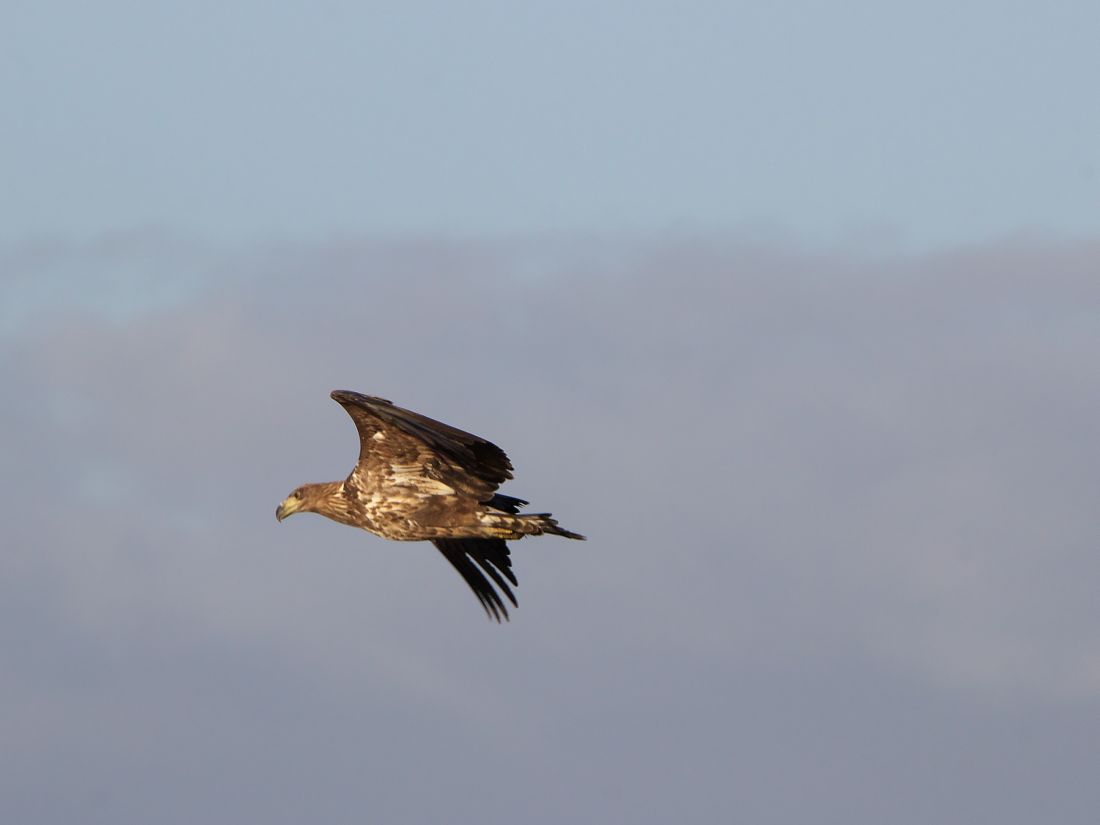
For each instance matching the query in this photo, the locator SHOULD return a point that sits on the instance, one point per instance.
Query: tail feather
(528, 524)
(546, 524)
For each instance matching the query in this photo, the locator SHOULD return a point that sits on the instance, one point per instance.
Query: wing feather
(389, 434)
(492, 556)
(473, 453)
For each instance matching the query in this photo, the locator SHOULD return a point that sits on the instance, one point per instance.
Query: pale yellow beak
(288, 508)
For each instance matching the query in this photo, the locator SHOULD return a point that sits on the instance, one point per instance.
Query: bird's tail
(537, 524)
(509, 523)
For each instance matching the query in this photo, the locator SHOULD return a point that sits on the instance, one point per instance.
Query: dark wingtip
(494, 609)
(491, 556)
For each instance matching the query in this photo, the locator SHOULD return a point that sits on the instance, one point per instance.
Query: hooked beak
(287, 508)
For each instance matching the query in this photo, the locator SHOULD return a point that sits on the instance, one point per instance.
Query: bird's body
(418, 479)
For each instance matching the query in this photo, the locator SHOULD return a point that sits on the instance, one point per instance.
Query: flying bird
(421, 480)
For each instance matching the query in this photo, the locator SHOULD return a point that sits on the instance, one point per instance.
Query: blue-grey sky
(793, 309)
(842, 527)
(896, 124)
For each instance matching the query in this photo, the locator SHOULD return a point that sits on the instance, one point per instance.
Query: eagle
(418, 479)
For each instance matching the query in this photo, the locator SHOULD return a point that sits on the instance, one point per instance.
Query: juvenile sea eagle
(418, 479)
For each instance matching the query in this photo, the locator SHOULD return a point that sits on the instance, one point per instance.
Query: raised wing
(393, 440)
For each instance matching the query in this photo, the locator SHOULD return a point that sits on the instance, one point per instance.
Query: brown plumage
(419, 479)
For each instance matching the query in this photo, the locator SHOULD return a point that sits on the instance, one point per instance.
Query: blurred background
(793, 309)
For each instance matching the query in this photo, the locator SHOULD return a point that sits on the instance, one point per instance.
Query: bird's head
(294, 503)
(324, 498)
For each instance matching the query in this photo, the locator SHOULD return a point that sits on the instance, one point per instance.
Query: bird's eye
(297, 494)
